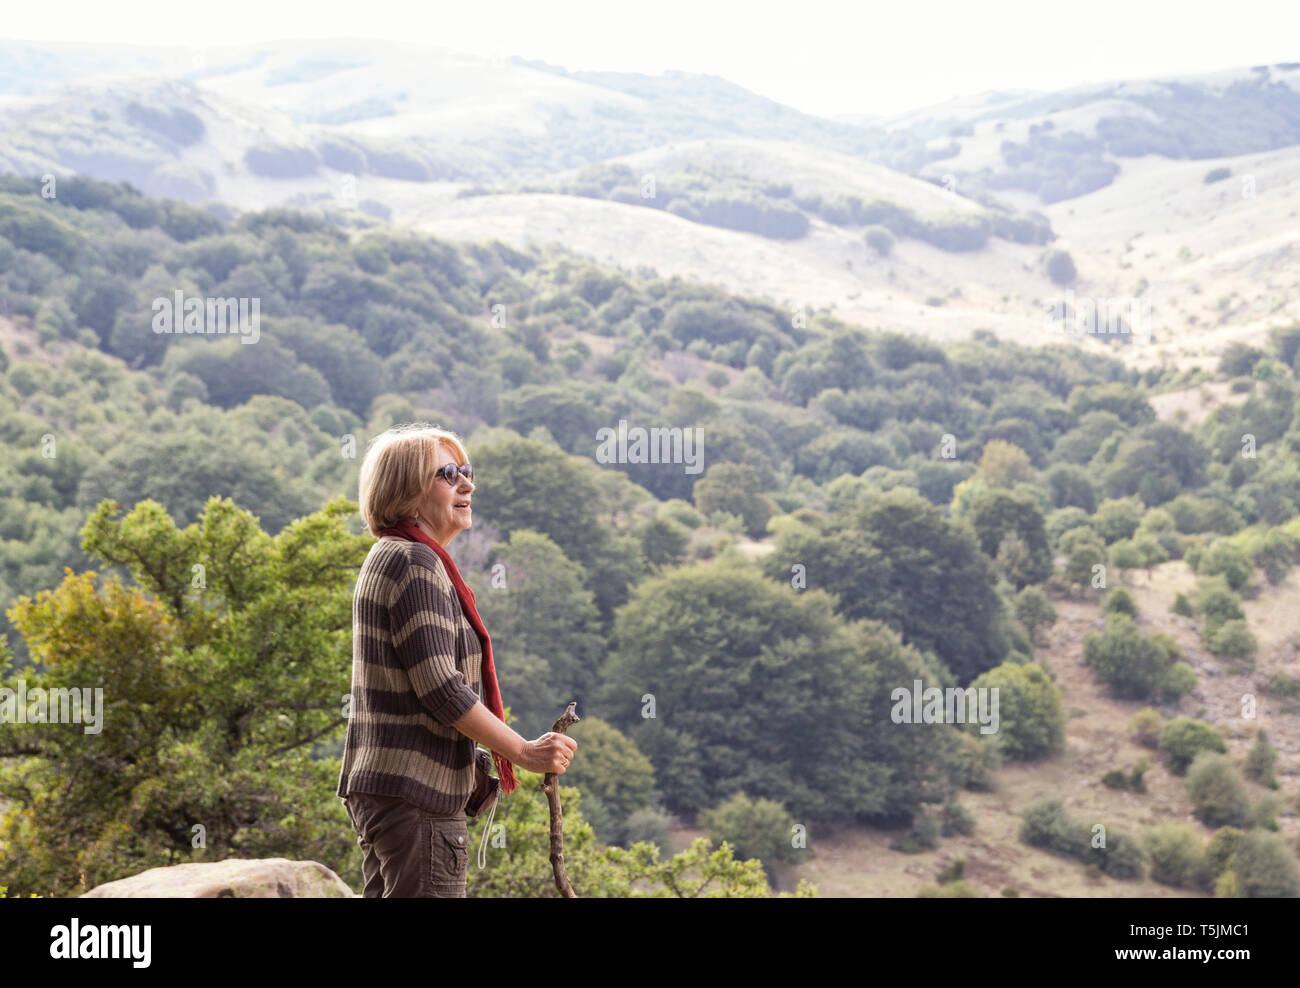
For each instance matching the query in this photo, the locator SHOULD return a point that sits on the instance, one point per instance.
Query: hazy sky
(822, 57)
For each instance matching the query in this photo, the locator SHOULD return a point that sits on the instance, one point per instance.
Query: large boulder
(234, 878)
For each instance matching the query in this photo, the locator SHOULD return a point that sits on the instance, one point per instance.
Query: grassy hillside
(1099, 738)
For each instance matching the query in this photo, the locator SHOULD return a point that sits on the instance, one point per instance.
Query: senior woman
(420, 654)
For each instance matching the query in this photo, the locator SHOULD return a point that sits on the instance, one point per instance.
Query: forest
(875, 509)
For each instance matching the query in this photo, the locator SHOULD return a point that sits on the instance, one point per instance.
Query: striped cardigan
(416, 669)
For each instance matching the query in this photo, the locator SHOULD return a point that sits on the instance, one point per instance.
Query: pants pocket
(448, 855)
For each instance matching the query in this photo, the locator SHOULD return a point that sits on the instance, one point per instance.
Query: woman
(419, 656)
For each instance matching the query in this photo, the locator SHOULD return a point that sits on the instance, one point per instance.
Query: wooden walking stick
(551, 786)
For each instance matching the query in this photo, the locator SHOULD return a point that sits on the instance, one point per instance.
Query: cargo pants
(409, 852)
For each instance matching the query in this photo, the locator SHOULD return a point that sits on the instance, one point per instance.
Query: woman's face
(445, 510)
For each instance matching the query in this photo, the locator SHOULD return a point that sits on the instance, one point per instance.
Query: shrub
(1082, 562)
(1178, 681)
(1260, 760)
(879, 239)
(650, 825)
(1146, 727)
(681, 512)
(1239, 359)
(957, 820)
(1124, 555)
(1131, 665)
(1117, 518)
(1219, 851)
(1184, 738)
(1115, 779)
(1226, 559)
(1031, 720)
(1059, 266)
(1264, 867)
(1215, 788)
(615, 770)
(954, 231)
(1182, 605)
(1177, 857)
(281, 161)
(1140, 768)
(1114, 853)
(953, 872)
(960, 889)
(1263, 814)
(755, 828)
(1151, 550)
(1227, 886)
(1033, 609)
(923, 836)
(1283, 687)
(977, 761)
(1046, 824)
(1233, 640)
(1119, 601)
(1218, 605)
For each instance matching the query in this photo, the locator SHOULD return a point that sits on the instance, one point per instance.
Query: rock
(234, 878)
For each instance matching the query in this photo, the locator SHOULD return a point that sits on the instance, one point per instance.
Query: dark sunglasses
(452, 473)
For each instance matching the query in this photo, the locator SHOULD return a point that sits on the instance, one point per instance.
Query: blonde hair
(398, 469)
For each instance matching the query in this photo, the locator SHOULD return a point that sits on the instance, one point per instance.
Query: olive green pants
(409, 852)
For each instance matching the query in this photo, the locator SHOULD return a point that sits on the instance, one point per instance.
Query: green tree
(536, 608)
(568, 416)
(612, 772)
(1124, 556)
(1183, 738)
(1260, 760)
(998, 513)
(755, 828)
(1234, 640)
(1216, 791)
(664, 541)
(1228, 560)
(1071, 486)
(1034, 610)
(530, 484)
(729, 683)
(733, 488)
(1265, 868)
(1085, 564)
(1220, 850)
(1129, 663)
(1031, 719)
(1119, 601)
(213, 697)
(1117, 518)
(1177, 858)
(896, 559)
(1218, 605)
(1003, 464)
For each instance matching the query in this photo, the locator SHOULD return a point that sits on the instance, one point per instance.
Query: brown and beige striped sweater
(416, 669)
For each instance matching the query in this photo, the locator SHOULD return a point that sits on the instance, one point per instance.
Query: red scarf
(491, 691)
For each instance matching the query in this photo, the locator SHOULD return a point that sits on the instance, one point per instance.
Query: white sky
(843, 56)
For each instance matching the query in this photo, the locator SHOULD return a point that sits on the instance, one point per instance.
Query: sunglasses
(452, 473)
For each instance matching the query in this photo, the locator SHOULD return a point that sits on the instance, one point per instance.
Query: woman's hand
(550, 753)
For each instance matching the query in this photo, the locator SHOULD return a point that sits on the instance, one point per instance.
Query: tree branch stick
(551, 786)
